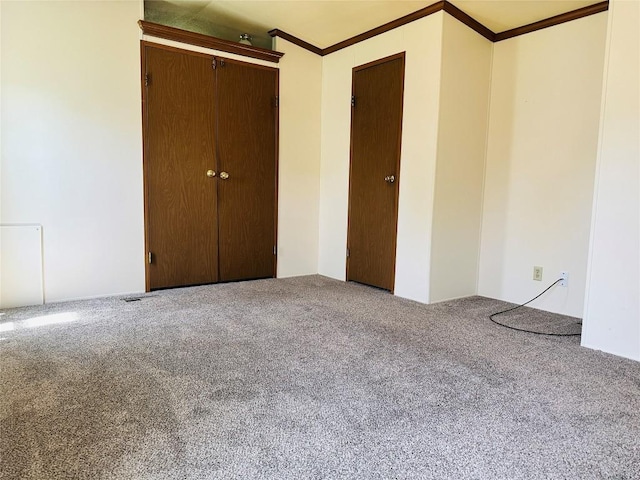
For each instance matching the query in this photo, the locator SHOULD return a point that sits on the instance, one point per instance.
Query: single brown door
(180, 198)
(376, 128)
(246, 132)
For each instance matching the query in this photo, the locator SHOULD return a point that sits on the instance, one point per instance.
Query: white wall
(612, 307)
(21, 247)
(462, 142)
(71, 141)
(543, 131)
(299, 162)
(422, 41)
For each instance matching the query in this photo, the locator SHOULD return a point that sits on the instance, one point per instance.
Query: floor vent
(137, 299)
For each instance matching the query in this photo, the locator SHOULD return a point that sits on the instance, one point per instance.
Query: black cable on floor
(527, 303)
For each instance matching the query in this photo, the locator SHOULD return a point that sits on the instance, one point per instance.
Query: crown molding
(552, 21)
(412, 17)
(457, 14)
(192, 38)
(469, 21)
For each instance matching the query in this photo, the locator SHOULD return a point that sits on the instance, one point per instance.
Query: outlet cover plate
(565, 279)
(537, 274)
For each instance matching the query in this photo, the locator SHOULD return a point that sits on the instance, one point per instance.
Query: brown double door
(209, 168)
(376, 130)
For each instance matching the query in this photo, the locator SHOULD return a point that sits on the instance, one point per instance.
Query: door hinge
(147, 79)
(214, 63)
(275, 250)
(149, 257)
(277, 101)
(348, 252)
(353, 100)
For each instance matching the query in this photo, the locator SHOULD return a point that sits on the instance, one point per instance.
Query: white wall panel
(21, 266)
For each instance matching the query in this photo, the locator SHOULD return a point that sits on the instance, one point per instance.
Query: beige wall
(71, 154)
(545, 104)
(422, 42)
(462, 138)
(299, 162)
(612, 306)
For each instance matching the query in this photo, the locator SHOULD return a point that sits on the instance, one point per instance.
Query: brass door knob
(224, 175)
(390, 178)
(211, 173)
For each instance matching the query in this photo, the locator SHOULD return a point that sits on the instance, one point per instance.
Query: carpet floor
(306, 378)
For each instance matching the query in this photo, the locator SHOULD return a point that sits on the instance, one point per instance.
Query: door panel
(246, 132)
(376, 128)
(180, 199)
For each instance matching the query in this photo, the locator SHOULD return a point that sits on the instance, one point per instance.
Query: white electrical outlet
(565, 279)
(537, 273)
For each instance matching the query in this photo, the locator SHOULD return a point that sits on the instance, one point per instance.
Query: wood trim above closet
(192, 38)
(297, 41)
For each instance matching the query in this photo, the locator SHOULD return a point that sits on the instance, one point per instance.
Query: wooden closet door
(180, 199)
(246, 131)
(376, 130)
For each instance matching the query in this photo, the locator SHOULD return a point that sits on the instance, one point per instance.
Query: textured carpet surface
(306, 378)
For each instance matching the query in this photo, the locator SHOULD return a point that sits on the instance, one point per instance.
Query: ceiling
(326, 22)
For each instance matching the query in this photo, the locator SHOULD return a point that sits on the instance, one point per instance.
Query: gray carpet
(306, 378)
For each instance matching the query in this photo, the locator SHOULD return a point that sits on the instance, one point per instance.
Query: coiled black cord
(527, 303)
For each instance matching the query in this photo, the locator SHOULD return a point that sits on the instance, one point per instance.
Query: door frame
(145, 149)
(402, 57)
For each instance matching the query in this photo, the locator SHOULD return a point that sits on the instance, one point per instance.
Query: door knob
(211, 173)
(390, 178)
(224, 175)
